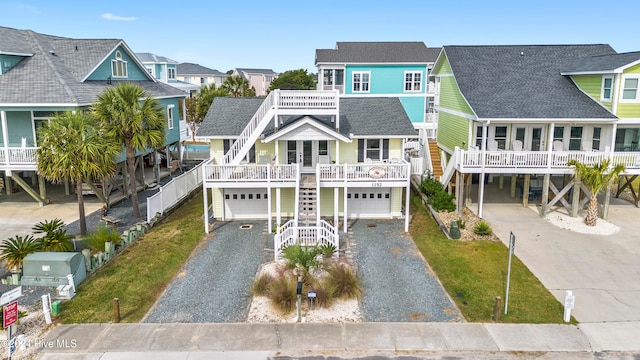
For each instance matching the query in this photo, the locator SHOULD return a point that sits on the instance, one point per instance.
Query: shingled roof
(153, 58)
(384, 117)
(603, 64)
(378, 52)
(54, 73)
(196, 69)
(524, 81)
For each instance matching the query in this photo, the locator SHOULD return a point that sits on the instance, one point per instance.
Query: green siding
(452, 130)
(628, 110)
(442, 66)
(103, 71)
(591, 84)
(632, 70)
(287, 203)
(396, 202)
(451, 97)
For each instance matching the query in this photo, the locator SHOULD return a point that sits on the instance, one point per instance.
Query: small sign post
(311, 295)
(10, 295)
(512, 246)
(10, 314)
(569, 302)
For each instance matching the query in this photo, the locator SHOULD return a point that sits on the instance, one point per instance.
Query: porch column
(5, 139)
(407, 206)
(482, 174)
(278, 207)
(545, 195)
(501, 182)
(525, 190)
(8, 186)
(575, 200)
(141, 166)
(125, 179)
(156, 166)
(514, 179)
(607, 200)
(459, 192)
(206, 210)
(467, 188)
(336, 199)
(270, 215)
(345, 209)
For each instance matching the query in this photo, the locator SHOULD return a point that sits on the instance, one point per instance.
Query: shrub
(461, 224)
(482, 228)
(301, 257)
(103, 233)
(343, 281)
(282, 293)
(55, 237)
(324, 295)
(16, 248)
(430, 186)
(261, 285)
(327, 250)
(442, 201)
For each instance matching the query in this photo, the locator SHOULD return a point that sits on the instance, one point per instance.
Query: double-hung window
(361, 81)
(170, 116)
(374, 149)
(118, 66)
(607, 85)
(412, 81)
(171, 73)
(630, 89)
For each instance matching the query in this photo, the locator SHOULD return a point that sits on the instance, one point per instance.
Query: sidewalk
(260, 341)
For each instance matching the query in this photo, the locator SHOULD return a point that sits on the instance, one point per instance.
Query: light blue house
(44, 74)
(382, 69)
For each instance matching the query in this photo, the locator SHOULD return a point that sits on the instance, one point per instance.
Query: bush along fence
(111, 248)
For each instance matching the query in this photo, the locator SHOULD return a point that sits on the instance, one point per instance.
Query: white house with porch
(308, 160)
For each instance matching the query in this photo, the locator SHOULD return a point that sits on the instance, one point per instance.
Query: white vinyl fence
(174, 191)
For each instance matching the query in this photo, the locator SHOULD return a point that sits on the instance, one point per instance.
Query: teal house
(383, 69)
(44, 74)
(518, 113)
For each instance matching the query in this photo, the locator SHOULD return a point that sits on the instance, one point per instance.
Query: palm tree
(134, 119)
(72, 146)
(55, 237)
(16, 248)
(596, 178)
(237, 86)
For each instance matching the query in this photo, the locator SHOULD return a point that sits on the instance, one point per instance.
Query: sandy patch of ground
(261, 310)
(576, 224)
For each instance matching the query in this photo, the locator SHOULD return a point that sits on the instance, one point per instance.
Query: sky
(283, 35)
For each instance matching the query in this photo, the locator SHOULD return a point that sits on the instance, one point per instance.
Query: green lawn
(475, 272)
(141, 272)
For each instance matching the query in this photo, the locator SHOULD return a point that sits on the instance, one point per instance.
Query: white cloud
(116, 18)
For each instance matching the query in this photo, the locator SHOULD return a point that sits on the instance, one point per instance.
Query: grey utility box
(52, 268)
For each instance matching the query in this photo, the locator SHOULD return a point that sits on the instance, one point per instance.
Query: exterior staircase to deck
(308, 201)
(436, 162)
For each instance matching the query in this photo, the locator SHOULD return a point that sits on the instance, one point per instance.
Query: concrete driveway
(602, 271)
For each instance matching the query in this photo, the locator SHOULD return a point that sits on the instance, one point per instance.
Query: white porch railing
(537, 161)
(174, 191)
(305, 99)
(291, 234)
(18, 156)
(249, 173)
(396, 170)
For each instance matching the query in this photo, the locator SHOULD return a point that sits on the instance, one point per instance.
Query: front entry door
(301, 151)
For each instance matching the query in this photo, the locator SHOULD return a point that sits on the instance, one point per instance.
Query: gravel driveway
(214, 284)
(399, 285)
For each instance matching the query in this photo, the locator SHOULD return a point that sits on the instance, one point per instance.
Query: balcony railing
(554, 162)
(18, 156)
(398, 170)
(250, 173)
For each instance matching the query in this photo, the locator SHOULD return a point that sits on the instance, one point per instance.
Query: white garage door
(369, 202)
(245, 203)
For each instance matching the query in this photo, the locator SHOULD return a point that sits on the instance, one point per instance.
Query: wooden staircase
(308, 201)
(436, 162)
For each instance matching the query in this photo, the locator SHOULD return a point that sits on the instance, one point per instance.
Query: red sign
(10, 314)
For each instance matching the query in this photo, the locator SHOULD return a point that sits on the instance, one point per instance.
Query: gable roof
(153, 58)
(14, 42)
(361, 117)
(603, 64)
(55, 73)
(378, 52)
(196, 69)
(524, 81)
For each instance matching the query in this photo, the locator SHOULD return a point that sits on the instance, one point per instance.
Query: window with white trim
(170, 116)
(149, 70)
(575, 138)
(360, 81)
(607, 85)
(595, 142)
(630, 89)
(412, 81)
(118, 66)
(501, 137)
(171, 73)
(372, 149)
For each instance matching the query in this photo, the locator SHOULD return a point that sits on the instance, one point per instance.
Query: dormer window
(118, 66)
(171, 73)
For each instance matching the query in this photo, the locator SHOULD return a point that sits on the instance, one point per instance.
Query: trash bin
(55, 307)
(454, 231)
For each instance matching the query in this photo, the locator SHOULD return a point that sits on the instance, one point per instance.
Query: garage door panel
(245, 203)
(369, 202)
